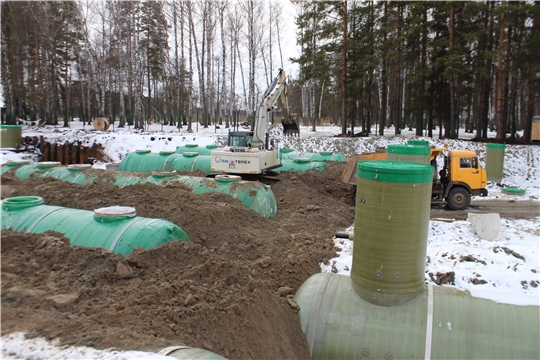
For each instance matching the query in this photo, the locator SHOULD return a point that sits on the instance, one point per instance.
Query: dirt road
(510, 209)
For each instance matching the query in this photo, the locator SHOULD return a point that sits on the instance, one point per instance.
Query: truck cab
(461, 177)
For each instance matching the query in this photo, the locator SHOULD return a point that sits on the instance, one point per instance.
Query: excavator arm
(278, 88)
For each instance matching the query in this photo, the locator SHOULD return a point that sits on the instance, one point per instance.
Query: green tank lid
(12, 163)
(211, 146)
(414, 150)
(395, 171)
(190, 154)
(143, 151)
(418, 142)
(48, 164)
(78, 167)
(166, 152)
(21, 202)
(496, 146)
(286, 150)
(192, 145)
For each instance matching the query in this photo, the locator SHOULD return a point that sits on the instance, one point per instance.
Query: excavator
(253, 152)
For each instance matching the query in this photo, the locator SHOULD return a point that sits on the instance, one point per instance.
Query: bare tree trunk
(501, 131)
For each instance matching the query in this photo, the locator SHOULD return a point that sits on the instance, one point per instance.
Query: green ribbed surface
(82, 229)
(390, 231)
(201, 150)
(394, 171)
(300, 166)
(495, 162)
(11, 136)
(338, 324)
(255, 195)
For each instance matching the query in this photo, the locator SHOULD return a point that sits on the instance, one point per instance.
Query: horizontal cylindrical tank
(440, 323)
(201, 150)
(300, 165)
(189, 162)
(391, 223)
(144, 161)
(414, 153)
(189, 353)
(253, 194)
(495, 162)
(11, 136)
(289, 154)
(116, 228)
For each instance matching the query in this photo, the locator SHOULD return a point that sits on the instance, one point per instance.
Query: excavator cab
(240, 140)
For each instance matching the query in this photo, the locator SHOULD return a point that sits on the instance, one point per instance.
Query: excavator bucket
(290, 126)
(350, 173)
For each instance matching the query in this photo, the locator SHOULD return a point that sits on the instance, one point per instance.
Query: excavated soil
(229, 290)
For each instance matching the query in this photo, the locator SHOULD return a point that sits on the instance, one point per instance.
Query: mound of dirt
(218, 292)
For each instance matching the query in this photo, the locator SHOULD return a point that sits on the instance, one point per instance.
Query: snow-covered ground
(506, 270)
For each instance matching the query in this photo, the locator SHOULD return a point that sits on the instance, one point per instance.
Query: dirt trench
(218, 292)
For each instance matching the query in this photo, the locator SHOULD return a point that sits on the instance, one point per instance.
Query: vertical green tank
(495, 162)
(414, 153)
(116, 228)
(384, 310)
(11, 136)
(393, 202)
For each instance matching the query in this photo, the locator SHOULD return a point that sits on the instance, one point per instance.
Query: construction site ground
(228, 290)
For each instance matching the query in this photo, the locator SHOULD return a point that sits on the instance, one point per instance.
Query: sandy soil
(229, 290)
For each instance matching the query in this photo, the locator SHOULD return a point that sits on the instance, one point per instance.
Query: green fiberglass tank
(11, 164)
(289, 154)
(300, 165)
(418, 142)
(440, 323)
(495, 162)
(413, 153)
(116, 228)
(189, 162)
(11, 136)
(259, 197)
(384, 310)
(201, 150)
(393, 202)
(144, 161)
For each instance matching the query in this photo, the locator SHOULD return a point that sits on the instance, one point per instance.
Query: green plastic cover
(120, 235)
(255, 195)
(395, 171)
(495, 146)
(495, 162)
(449, 324)
(391, 231)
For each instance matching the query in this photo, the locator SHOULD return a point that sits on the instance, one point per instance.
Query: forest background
(427, 65)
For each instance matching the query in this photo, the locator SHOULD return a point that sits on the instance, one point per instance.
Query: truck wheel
(458, 198)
